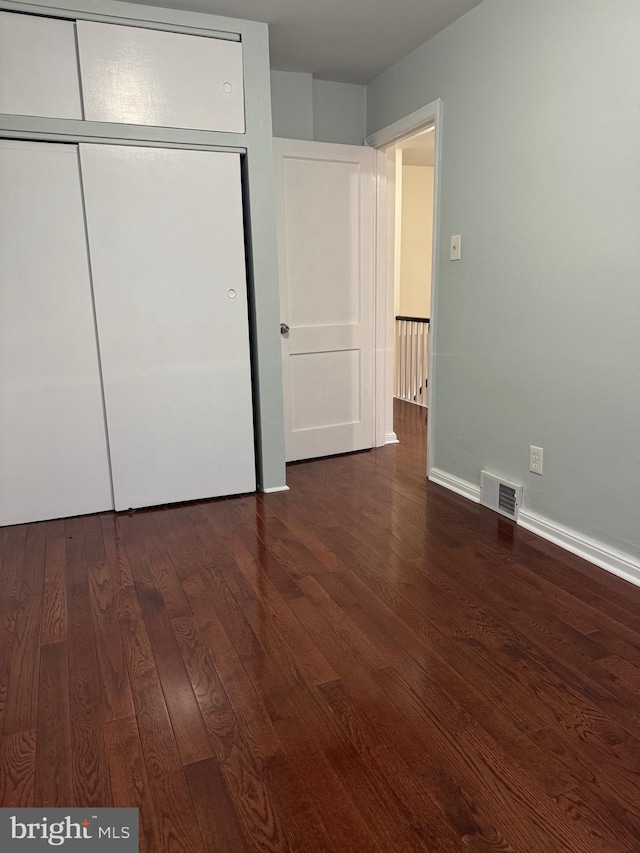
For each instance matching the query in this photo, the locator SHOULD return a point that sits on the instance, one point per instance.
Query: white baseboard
(391, 438)
(616, 562)
(623, 565)
(455, 484)
(275, 490)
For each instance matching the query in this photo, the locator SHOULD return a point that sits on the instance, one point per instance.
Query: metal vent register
(500, 495)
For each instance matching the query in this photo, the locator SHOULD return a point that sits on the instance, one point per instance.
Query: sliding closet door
(53, 449)
(167, 254)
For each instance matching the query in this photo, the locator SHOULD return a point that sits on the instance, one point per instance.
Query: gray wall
(538, 327)
(339, 112)
(292, 104)
(304, 108)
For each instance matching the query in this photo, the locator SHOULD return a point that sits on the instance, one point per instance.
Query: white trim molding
(455, 484)
(383, 341)
(275, 490)
(611, 560)
(391, 438)
(409, 124)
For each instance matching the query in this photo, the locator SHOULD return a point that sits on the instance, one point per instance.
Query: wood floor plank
(89, 770)
(218, 578)
(54, 605)
(11, 569)
(518, 809)
(313, 770)
(188, 725)
(219, 823)
(53, 780)
(298, 818)
(114, 676)
(32, 580)
(208, 652)
(141, 664)
(604, 820)
(238, 763)
(18, 763)
(167, 580)
(21, 710)
(128, 778)
(376, 745)
(7, 628)
(175, 818)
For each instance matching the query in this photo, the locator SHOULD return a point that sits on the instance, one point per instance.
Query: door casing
(384, 317)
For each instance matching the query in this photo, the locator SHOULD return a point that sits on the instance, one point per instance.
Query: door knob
(284, 329)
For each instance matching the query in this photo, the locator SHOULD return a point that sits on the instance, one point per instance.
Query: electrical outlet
(456, 248)
(535, 459)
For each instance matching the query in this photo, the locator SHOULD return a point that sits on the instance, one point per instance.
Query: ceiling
(348, 41)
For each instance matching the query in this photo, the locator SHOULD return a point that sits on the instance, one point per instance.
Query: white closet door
(53, 449)
(140, 76)
(38, 67)
(167, 254)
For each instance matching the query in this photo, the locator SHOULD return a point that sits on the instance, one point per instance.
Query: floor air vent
(499, 495)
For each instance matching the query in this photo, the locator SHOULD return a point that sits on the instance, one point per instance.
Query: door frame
(384, 317)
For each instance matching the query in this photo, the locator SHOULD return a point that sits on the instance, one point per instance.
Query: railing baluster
(419, 399)
(412, 359)
(406, 361)
(416, 378)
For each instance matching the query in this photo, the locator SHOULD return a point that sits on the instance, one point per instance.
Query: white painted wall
(416, 241)
(537, 337)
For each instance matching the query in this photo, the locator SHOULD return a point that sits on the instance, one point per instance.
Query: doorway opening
(413, 252)
(407, 263)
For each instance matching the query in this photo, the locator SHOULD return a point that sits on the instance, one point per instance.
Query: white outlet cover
(535, 459)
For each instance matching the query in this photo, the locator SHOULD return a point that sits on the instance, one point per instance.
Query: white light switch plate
(455, 248)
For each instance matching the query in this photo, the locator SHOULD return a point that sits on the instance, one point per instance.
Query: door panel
(325, 197)
(38, 67)
(167, 255)
(139, 76)
(53, 447)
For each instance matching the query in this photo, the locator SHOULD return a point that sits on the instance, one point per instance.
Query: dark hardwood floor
(364, 663)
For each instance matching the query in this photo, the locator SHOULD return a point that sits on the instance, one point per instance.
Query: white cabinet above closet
(137, 76)
(38, 67)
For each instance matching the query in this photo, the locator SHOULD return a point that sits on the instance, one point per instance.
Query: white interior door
(166, 243)
(53, 447)
(325, 197)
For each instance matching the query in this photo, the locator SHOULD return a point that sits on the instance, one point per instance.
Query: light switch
(455, 248)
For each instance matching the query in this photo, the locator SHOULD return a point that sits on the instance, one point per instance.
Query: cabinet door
(53, 448)
(167, 255)
(38, 67)
(139, 76)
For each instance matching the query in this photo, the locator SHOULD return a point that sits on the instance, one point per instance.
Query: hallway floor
(365, 663)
